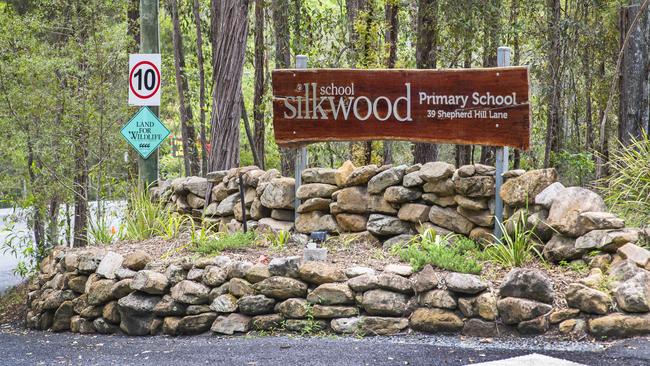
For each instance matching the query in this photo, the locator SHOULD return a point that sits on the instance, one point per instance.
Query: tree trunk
(133, 35)
(490, 45)
(515, 8)
(53, 222)
(634, 111)
(283, 61)
(188, 134)
(426, 58)
(464, 152)
(230, 42)
(202, 107)
(553, 125)
(392, 19)
(258, 97)
(81, 187)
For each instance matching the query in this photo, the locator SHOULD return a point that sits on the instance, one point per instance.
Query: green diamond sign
(145, 132)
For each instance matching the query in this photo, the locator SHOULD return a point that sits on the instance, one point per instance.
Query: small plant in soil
(214, 244)
(278, 240)
(578, 267)
(451, 252)
(310, 326)
(517, 246)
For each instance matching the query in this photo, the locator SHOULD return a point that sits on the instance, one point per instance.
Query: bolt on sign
(144, 132)
(487, 106)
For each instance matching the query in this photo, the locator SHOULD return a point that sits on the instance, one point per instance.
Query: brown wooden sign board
(465, 106)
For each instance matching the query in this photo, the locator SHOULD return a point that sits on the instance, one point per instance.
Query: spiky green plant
(627, 189)
(517, 246)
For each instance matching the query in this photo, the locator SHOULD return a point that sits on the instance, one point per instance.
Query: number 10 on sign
(144, 79)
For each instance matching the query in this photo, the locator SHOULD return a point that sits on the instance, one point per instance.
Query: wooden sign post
(487, 106)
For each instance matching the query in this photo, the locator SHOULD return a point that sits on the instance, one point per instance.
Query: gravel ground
(23, 347)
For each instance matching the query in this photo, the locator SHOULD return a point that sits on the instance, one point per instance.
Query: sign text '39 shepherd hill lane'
(469, 106)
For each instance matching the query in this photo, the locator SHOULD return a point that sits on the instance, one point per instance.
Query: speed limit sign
(144, 79)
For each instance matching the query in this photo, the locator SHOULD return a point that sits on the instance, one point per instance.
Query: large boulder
(435, 321)
(588, 221)
(377, 325)
(587, 299)
(378, 204)
(255, 305)
(150, 282)
(564, 212)
(279, 193)
(607, 240)
(382, 302)
(351, 223)
(315, 190)
(414, 212)
(137, 260)
(436, 171)
(546, 197)
(109, 264)
(529, 284)
(483, 305)
(399, 194)
(620, 325)
(633, 295)
(476, 186)
(424, 280)
(353, 199)
(464, 283)
(190, 292)
(100, 292)
(319, 273)
(233, 323)
(319, 175)
(442, 299)
(137, 313)
(514, 310)
(523, 189)
(562, 248)
(361, 175)
(196, 324)
(331, 294)
(383, 225)
(316, 221)
(281, 288)
(314, 204)
(343, 173)
(227, 206)
(450, 219)
(293, 308)
(635, 253)
(385, 179)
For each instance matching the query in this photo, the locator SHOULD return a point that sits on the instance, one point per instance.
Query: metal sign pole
(501, 161)
(301, 154)
(149, 43)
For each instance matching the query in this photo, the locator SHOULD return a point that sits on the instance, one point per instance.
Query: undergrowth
(451, 252)
(515, 247)
(215, 243)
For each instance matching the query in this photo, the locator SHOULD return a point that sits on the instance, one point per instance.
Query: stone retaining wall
(94, 290)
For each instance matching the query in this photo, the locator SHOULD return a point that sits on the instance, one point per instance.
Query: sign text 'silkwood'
(470, 106)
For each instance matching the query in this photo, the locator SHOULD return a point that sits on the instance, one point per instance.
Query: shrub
(100, 232)
(627, 190)
(451, 252)
(142, 217)
(516, 247)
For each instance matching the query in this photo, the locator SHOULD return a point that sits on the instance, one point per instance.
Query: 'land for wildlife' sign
(466, 106)
(144, 132)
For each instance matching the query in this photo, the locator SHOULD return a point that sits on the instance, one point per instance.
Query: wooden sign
(465, 106)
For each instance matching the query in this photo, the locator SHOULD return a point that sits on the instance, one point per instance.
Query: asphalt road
(22, 347)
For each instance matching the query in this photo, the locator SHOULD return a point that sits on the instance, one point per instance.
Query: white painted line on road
(534, 359)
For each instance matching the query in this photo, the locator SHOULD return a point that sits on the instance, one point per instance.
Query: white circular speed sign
(144, 79)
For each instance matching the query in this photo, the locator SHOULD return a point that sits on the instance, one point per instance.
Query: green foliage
(579, 267)
(627, 190)
(311, 325)
(450, 252)
(516, 247)
(143, 216)
(574, 168)
(278, 240)
(211, 244)
(170, 224)
(100, 231)
(18, 244)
